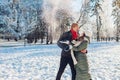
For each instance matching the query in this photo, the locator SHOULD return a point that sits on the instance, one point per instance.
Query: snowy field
(41, 62)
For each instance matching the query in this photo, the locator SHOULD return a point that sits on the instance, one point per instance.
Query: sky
(77, 5)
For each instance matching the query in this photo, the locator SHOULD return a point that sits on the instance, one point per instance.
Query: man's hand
(84, 51)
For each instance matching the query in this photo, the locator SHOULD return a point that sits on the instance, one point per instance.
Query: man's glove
(70, 46)
(67, 48)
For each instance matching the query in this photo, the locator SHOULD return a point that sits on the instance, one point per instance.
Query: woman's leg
(82, 69)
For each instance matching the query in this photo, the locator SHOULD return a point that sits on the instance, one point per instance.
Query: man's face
(76, 29)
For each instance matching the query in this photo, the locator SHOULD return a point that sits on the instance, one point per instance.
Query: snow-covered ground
(41, 62)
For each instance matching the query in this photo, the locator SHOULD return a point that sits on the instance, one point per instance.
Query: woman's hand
(84, 51)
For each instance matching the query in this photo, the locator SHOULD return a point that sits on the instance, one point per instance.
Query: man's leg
(63, 63)
(72, 68)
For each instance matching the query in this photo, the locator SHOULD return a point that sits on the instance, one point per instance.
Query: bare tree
(116, 14)
(84, 11)
(95, 9)
(64, 18)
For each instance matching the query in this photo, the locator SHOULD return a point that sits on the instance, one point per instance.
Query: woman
(82, 70)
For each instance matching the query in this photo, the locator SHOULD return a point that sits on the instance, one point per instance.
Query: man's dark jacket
(67, 36)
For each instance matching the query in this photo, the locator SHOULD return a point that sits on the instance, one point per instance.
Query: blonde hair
(74, 25)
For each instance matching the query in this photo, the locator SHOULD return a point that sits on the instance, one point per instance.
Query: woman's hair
(74, 25)
(80, 38)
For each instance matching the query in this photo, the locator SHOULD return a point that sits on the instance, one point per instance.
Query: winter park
(59, 39)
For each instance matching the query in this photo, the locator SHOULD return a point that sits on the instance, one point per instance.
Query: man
(65, 54)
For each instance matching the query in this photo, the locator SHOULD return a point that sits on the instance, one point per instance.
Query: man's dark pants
(63, 63)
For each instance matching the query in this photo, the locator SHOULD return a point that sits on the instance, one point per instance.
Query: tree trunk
(117, 35)
(117, 39)
(118, 29)
(98, 29)
(47, 39)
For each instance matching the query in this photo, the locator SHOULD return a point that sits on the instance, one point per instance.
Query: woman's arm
(83, 45)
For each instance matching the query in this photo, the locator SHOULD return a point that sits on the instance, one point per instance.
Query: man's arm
(61, 43)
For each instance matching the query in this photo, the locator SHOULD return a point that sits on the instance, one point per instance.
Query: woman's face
(81, 33)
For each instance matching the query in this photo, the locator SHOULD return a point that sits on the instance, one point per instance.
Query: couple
(74, 53)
